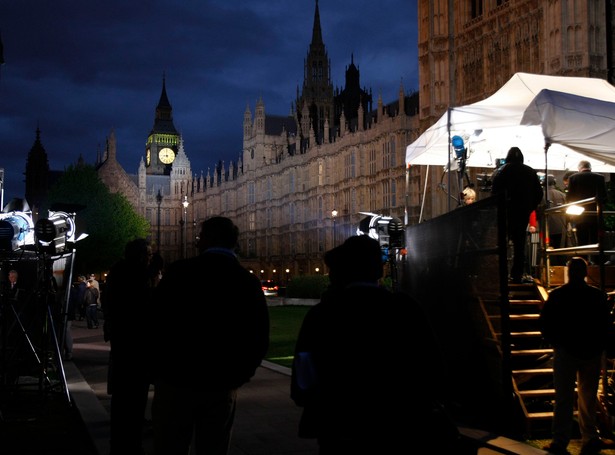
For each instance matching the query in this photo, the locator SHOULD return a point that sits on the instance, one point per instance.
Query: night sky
(78, 69)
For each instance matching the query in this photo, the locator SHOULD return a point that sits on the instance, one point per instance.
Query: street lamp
(159, 202)
(185, 203)
(334, 216)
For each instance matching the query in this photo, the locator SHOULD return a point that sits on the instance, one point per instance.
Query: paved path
(266, 420)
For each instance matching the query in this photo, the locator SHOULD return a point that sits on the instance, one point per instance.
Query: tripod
(38, 333)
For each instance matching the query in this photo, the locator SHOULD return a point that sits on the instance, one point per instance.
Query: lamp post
(185, 203)
(159, 202)
(334, 216)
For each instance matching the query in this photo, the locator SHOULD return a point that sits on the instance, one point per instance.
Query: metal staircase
(530, 356)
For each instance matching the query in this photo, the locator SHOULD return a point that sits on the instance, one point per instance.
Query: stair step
(535, 333)
(540, 415)
(544, 415)
(525, 317)
(534, 371)
(532, 351)
(518, 317)
(537, 392)
(525, 301)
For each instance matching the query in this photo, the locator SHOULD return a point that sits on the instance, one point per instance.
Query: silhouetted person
(521, 188)
(90, 301)
(566, 179)
(557, 222)
(156, 268)
(583, 185)
(574, 320)
(69, 317)
(213, 326)
(127, 309)
(367, 366)
(80, 296)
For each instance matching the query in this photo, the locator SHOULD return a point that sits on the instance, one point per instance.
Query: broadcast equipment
(459, 148)
(32, 327)
(390, 234)
(389, 231)
(54, 232)
(16, 230)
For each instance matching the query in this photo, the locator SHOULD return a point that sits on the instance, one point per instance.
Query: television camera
(485, 181)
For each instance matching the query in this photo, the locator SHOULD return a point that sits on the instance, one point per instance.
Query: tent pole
(448, 129)
(545, 240)
(424, 193)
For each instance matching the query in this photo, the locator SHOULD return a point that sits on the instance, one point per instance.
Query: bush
(307, 286)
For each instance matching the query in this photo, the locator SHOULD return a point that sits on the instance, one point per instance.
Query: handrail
(579, 249)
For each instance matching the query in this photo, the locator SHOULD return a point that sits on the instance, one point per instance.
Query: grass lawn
(285, 322)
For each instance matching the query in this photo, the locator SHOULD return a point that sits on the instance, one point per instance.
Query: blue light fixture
(458, 147)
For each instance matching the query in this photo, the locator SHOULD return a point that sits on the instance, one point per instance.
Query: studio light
(54, 232)
(16, 230)
(389, 231)
(458, 147)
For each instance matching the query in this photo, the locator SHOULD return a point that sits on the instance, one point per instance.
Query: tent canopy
(574, 116)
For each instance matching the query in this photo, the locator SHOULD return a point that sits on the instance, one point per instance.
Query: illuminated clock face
(148, 157)
(166, 155)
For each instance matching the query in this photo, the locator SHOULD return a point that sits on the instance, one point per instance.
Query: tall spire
(164, 100)
(317, 90)
(163, 123)
(316, 30)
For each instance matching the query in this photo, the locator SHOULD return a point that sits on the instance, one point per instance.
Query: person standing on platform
(521, 188)
(574, 321)
(128, 327)
(205, 355)
(557, 222)
(583, 185)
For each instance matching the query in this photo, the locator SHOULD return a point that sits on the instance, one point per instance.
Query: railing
(587, 249)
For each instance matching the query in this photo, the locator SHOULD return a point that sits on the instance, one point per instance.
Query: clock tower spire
(163, 140)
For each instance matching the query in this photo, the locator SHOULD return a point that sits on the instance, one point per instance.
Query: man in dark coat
(127, 310)
(574, 320)
(350, 404)
(213, 326)
(583, 185)
(521, 188)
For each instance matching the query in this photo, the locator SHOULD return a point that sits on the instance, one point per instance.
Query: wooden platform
(558, 275)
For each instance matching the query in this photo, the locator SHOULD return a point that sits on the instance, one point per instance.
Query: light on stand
(575, 210)
(185, 203)
(54, 232)
(16, 230)
(458, 147)
(334, 217)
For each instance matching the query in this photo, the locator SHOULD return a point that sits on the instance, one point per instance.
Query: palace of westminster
(303, 179)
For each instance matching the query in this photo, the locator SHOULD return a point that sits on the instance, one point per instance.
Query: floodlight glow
(574, 210)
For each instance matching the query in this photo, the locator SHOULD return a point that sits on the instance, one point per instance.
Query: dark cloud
(78, 69)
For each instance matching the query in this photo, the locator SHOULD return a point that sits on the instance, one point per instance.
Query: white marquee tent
(575, 116)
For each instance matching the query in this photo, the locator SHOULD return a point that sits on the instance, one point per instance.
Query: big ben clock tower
(163, 140)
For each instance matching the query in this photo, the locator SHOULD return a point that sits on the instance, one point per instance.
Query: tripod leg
(58, 353)
(25, 334)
